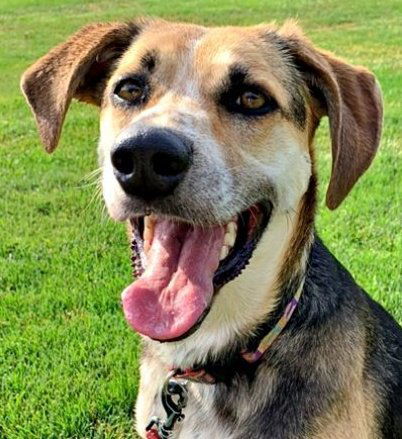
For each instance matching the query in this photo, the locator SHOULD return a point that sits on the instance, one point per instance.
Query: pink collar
(202, 376)
(273, 334)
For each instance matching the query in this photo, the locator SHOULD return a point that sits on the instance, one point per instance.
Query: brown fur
(351, 98)
(73, 70)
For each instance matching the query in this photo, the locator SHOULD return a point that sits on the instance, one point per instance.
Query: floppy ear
(351, 98)
(77, 69)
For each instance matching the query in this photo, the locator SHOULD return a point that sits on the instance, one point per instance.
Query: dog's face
(206, 148)
(230, 99)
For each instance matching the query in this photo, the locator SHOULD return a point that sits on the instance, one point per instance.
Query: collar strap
(273, 334)
(204, 377)
(195, 375)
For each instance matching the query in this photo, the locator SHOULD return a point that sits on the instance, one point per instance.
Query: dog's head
(206, 135)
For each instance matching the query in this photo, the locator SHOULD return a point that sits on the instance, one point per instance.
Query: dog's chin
(180, 268)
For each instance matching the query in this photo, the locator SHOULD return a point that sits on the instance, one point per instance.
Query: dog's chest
(212, 411)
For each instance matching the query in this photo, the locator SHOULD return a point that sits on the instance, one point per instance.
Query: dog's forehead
(167, 38)
(209, 51)
(165, 42)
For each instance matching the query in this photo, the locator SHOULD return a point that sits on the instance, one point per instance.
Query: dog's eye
(251, 100)
(131, 91)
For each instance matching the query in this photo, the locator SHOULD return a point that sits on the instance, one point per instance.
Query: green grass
(67, 359)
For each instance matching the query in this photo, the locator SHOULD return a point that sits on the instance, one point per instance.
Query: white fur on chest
(202, 420)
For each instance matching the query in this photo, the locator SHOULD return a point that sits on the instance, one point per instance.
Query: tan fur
(354, 415)
(353, 420)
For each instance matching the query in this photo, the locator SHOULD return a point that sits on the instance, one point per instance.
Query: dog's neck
(252, 303)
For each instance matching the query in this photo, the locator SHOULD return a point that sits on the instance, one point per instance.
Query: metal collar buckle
(174, 397)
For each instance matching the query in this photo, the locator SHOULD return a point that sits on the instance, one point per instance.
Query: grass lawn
(67, 358)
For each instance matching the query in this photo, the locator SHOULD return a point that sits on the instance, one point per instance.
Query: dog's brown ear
(351, 98)
(77, 69)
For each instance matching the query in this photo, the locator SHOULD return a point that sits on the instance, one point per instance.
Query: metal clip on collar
(174, 397)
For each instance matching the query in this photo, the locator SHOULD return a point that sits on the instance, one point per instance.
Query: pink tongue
(177, 285)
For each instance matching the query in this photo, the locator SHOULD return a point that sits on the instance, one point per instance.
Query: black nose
(151, 164)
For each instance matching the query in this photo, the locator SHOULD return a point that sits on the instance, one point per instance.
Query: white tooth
(149, 227)
(224, 252)
(229, 239)
(230, 236)
(233, 227)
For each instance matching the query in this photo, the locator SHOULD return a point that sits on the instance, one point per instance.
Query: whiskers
(93, 180)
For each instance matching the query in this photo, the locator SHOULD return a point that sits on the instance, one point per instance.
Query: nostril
(168, 165)
(122, 160)
(151, 163)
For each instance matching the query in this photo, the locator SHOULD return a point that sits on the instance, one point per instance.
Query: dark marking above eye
(237, 74)
(148, 61)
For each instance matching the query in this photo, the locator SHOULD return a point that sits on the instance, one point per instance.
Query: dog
(206, 146)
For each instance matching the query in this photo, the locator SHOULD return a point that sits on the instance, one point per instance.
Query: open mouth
(179, 268)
